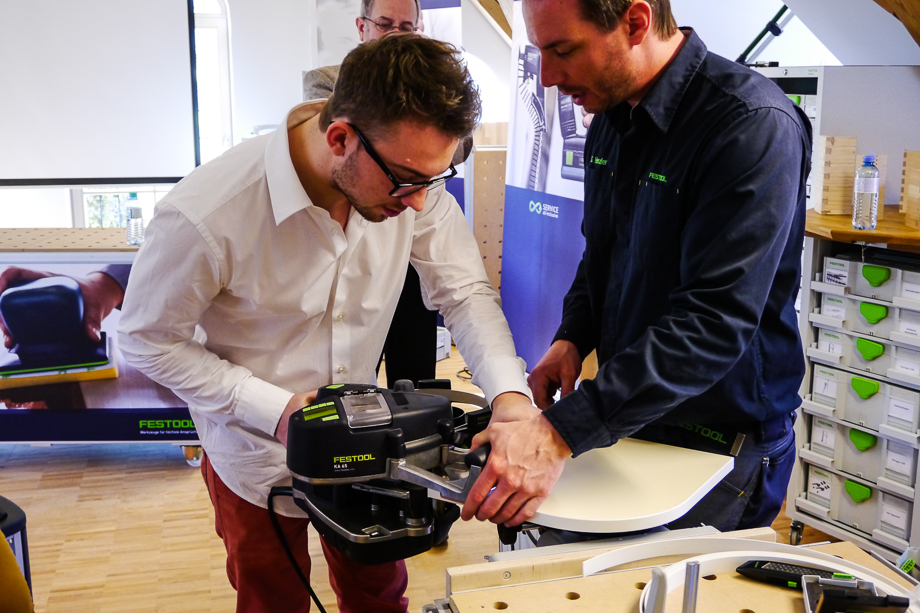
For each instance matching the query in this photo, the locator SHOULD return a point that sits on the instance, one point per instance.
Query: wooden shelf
(64, 239)
(890, 230)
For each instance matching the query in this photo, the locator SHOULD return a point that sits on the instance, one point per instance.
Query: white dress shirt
(245, 293)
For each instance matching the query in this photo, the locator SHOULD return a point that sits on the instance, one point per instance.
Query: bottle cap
(132, 195)
(869, 159)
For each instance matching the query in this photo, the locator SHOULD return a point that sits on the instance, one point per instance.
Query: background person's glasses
(401, 189)
(388, 26)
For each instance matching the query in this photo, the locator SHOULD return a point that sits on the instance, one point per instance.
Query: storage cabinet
(858, 432)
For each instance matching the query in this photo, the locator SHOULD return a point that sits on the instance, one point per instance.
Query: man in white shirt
(275, 269)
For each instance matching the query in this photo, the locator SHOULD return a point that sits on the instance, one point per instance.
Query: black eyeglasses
(401, 189)
(390, 27)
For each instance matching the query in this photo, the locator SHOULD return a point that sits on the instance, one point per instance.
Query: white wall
(859, 32)
(35, 208)
(271, 46)
(728, 27)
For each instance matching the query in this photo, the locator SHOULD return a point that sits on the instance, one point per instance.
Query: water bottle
(865, 195)
(134, 223)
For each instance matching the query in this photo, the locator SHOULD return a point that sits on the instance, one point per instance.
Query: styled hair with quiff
(410, 76)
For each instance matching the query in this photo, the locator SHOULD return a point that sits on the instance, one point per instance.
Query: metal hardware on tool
(373, 466)
(691, 587)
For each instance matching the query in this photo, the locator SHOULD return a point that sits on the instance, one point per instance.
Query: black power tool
(372, 466)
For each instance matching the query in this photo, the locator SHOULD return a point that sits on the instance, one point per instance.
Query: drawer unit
(858, 505)
(864, 400)
(862, 279)
(865, 454)
(855, 351)
(861, 316)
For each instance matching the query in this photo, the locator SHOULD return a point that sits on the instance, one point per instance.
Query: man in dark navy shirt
(694, 221)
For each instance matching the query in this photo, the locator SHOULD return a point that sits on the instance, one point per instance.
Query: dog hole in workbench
(710, 577)
(640, 586)
(501, 605)
(745, 611)
(573, 595)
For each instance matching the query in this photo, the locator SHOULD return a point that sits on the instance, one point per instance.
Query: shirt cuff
(577, 423)
(261, 404)
(500, 374)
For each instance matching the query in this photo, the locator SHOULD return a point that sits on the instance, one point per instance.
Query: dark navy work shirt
(694, 222)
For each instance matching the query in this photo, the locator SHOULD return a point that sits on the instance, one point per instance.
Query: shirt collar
(661, 102)
(284, 188)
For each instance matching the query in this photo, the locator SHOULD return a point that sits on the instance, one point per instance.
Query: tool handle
(478, 457)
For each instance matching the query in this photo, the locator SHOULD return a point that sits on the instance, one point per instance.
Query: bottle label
(866, 185)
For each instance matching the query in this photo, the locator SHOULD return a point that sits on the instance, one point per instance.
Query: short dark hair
(393, 78)
(367, 5)
(607, 13)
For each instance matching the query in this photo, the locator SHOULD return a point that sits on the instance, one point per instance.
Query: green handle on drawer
(873, 313)
(875, 275)
(869, 349)
(857, 491)
(865, 388)
(863, 440)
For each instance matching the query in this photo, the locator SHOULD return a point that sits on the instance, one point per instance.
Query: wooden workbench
(553, 584)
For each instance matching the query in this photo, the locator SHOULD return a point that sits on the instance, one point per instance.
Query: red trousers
(262, 575)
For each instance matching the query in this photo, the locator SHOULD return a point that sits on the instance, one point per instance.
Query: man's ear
(361, 24)
(337, 137)
(638, 20)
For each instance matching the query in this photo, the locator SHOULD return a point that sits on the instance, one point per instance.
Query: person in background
(411, 345)
(694, 219)
(275, 269)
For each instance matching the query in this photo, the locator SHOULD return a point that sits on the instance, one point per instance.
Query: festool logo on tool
(706, 432)
(836, 264)
(167, 423)
(657, 177)
(346, 459)
(827, 373)
(598, 161)
(829, 335)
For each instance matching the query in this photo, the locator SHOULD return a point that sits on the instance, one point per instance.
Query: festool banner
(544, 192)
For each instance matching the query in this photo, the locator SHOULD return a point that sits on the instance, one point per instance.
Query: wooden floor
(129, 528)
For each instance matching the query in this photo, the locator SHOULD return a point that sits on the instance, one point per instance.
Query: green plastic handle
(862, 440)
(869, 349)
(857, 491)
(875, 275)
(873, 313)
(865, 388)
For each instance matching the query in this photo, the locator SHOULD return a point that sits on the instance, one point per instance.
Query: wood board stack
(910, 189)
(833, 175)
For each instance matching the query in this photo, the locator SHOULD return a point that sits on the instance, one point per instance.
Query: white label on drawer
(825, 386)
(901, 409)
(894, 516)
(830, 346)
(835, 272)
(910, 290)
(900, 458)
(819, 483)
(834, 307)
(908, 366)
(824, 433)
(909, 322)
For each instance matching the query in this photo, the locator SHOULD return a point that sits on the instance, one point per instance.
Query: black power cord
(289, 491)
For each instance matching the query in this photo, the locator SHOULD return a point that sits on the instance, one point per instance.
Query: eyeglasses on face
(389, 26)
(401, 188)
